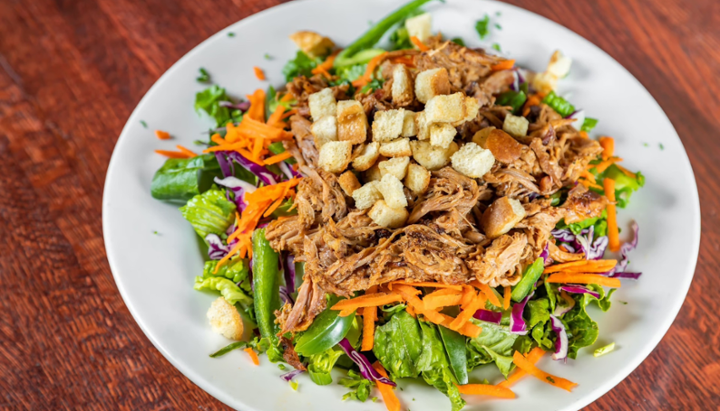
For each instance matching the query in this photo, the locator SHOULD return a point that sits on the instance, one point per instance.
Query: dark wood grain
(72, 71)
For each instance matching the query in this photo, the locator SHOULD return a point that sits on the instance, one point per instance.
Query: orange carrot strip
(488, 293)
(419, 44)
(626, 171)
(410, 310)
(433, 302)
(466, 314)
(369, 318)
(467, 296)
(327, 64)
(582, 266)
(533, 100)
(584, 279)
(503, 65)
(259, 73)
(278, 158)
(485, 389)
(443, 291)
(408, 61)
(217, 139)
(372, 65)
(608, 145)
(373, 300)
(470, 330)
(427, 284)
(391, 401)
(530, 368)
(172, 154)
(584, 134)
(287, 97)
(275, 118)
(162, 135)
(588, 175)
(613, 232)
(253, 355)
(189, 152)
(506, 298)
(288, 114)
(603, 165)
(533, 356)
(589, 184)
(257, 106)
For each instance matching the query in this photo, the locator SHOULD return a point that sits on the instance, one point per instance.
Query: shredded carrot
(369, 318)
(433, 302)
(613, 232)
(410, 310)
(427, 284)
(372, 65)
(419, 44)
(162, 135)
(466, 314)
(327, 64)
(217, 139)
(503, 65)
(485, 389)
(257, 105)
(288, 114)
(173, 154)
(253, 355)
(467, 296)
(589, 184)
(189, 152)
(391, 401)
(584, 134)
(603, 165)
(278, 158)
(405, 60)
(259, 73)
(275, 119)
(533, 357)
(533, 100)
(287, 97)
(582, 266)
(530, 368)
(372, 300)
(576, 278)
(506, 298)
(469, 329)
(488, 293)
(626, 171)
(608, 145)
(588, 175)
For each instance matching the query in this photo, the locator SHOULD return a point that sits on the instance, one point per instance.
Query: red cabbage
(288, 171)
(290, 375)
(578, 289)
(285, 295)
(564, 235)
(239, 188)
(626, 274)
(265, 175)
(216, 248)
(290, 272)
(619, 270)
(517, 323)
(242, 106)
(594, 250)
(488, 316)
(545, 255)
(366, 368)
(226, 166)
(562, 309)
(561, 344)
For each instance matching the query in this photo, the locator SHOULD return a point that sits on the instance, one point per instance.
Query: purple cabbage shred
(366, 369)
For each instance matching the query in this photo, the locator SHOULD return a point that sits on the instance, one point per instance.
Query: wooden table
(71, 72)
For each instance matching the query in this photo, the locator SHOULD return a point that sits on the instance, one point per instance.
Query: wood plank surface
(71, 72)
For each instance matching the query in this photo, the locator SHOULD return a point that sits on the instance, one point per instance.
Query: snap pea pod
(266, 284)
(532, 274)
(325, 332)
(372, 36)
(456, 351)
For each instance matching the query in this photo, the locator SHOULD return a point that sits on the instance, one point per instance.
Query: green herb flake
(155, 232)
(498, 26)
(482, 26)
(496, 47)
(550, 379)
(144, 124)
(588, 124)
(374, 399)
(294, 385)
(604, 350)
(231, 34)
(662, 147)
(267, 56)
(497, 13)
(282, 367)
(204, 76)
(459, 41)
(646, 145)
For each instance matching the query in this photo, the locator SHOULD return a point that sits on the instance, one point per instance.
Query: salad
(416, 210)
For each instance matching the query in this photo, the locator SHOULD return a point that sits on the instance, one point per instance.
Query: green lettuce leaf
(624, 184)
(588, 124)
(434, 365)
(236, 270)
(539, 311)
(494, 342)
(301, 65)
(398, 345)
(231, 292)
(209, 212)
(209, 100)
(320, 365)
(184, 178)
(359, 386)
(582, 330)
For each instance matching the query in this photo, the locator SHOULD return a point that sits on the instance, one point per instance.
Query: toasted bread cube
(504, 148)
(366, 195)
(480, 138)
(352, 122)
(431, 157)
(544, 82)
(417, 179)
(441, 135)
(324, 130)
(559, 65)
(516, 126)
(420, 26)
(348, 182)
(400, 147)
(365, 156)
(322, 104)
(445, 108)
(422, 126)
(384, 215)
(392, 191)
(472, 107)
(431, 83)
(313, 44)
(395, 166)
(225, 319)
(472, 160)
(409, 127)
(387, 125)
(373, 173)
(402, 86)
(335, 156)
(502, 215)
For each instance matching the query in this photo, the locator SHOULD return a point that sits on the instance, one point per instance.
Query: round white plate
(155, 271)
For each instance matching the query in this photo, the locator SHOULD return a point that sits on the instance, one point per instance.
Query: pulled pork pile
(442, 240)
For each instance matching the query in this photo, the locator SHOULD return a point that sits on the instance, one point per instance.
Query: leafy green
(539, 311)
(351, 73)
(325, 332)
(455, 349)
(236, 270)
(559, 104)
(272, 101)
(209, 100)
(301, 65)
(481, 26)
(459, 41)
(400, 38)
(515, 99)
(320, 365)
(577, 228)
(231, 292)
(184, 178)
(373, 85)
(204, 76)
(278, 148)
(527, 282)
(588, 124)
(398, 345)
(582, 330)
(494, 342)
(624, 184)
(359, 386)
(434, 365)
(209, 212)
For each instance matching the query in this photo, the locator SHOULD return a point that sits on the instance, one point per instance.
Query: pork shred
(344, 251)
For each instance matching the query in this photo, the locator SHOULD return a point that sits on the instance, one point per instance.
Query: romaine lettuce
(209, 212)
(434, 365)
(398, 345)
(236, 270)
(231, 292)
(184, 178)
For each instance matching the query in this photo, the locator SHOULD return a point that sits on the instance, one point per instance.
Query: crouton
(324, 130)
(502, 215)
(441, 135)
(348, 182)
(472, 107)
(373, 173)
(366, 195)
(472, 160)
(352, 122)
(445, 108)
(431, 83)
(419, 26)
(417, 179)
(504, 148)
(335, 156)
(394, 166)
(480, 138)
(387, 125)
(422, 126)
(409, 127)
(365, 156)
(559, 65)
(392, 191)
(400, 147)
(313, 44)
(386, 216)
(516, 126)
(544, 82)
(402, 86)
(225, 319)
(322, 104)
(430, 157)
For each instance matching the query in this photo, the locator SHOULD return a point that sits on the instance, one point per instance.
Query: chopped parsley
(498, 26)
(144, 124)
(458, 41)
(204, 76)
(231, 34)
(662, 147)
(549, 378)
(155, 232)
(482, 26)
(294, 385)
(267, 56)
(497, 13)
(282, 366)
(496, 46)
(301, 65)
(646, 145)
(588, 124)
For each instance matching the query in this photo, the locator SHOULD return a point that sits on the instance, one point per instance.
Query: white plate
(155, 272)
